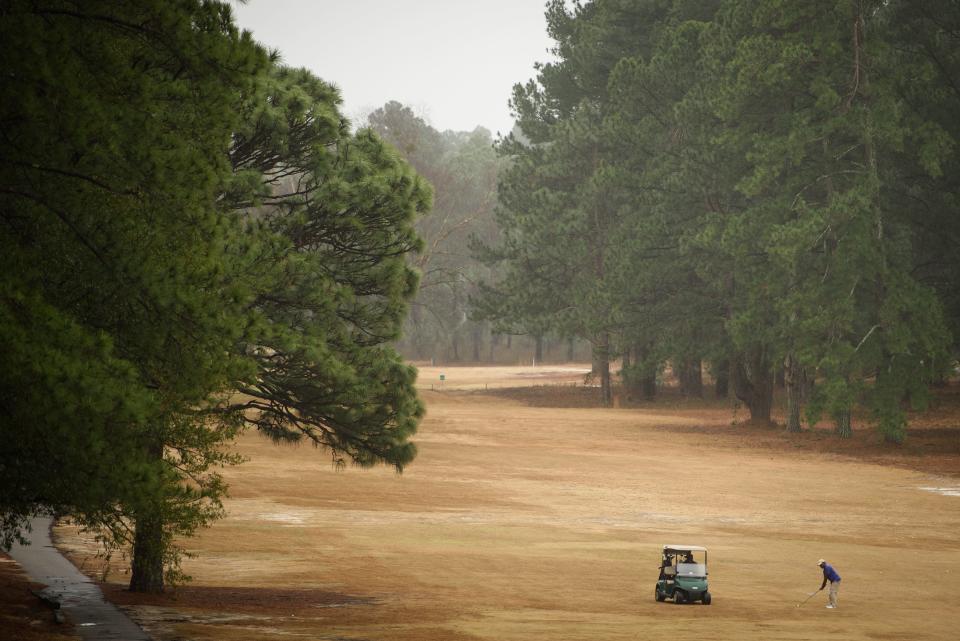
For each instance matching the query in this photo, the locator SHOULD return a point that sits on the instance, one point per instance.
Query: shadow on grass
(932, 444)
(236, 598)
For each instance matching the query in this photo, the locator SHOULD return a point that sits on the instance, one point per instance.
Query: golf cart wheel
(679, 596)
(706, 598)
(656, 595)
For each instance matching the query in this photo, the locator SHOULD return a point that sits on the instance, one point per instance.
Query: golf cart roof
(683, 548)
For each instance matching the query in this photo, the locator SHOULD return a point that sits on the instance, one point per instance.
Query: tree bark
(570, 351)
(538, 349)
(630, 374)
(753, 383)
(148, 545)
(648, 378)
(455, 344)
(807, 385)
(606, 391)
(721, 386)
(147, 564)
(691, 377)
(603, 363)
(477, 336)
(696, 378)
(494, 341)
(650, 386)
(415, 321)
(842, 422)
(791, 375)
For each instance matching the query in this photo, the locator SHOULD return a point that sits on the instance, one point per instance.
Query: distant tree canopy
(192, 242)
(755, 186)
(462, 168)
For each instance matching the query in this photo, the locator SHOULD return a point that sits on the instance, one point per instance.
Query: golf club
(809, 596)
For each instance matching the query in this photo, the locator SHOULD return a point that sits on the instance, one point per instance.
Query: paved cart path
(81, 599)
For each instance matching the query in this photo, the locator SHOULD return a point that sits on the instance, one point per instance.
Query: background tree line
(748, 188)
(446, 324)
(193, 243)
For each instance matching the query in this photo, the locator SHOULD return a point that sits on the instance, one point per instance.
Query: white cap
(821, 562)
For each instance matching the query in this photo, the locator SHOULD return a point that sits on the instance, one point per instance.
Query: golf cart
(682, 577)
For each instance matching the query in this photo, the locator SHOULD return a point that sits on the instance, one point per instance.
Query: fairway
(530, 523)
(597, 320)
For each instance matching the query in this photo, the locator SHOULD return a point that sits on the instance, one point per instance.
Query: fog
(453, 61)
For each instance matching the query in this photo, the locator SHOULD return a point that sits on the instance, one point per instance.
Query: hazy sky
(453, 62)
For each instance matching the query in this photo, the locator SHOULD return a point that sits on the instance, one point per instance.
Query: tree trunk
(807, 385)
(760, 410)
(477, 336)
(415, 321)
(606, 392)
(494, 341)
(602, 359)
(650, 386)
(691, 378)
(630, 373)
(538, 349)
(721, 388)
(781, 377)
(147, 564)
(842, 422)
(753, 383)
(648, 376)
(570, 351)
(455, 344)
(148, 545)
(792, 381)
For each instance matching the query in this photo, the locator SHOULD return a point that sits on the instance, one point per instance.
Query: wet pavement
(80, 598)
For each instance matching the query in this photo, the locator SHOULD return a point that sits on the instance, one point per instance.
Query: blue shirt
(830, 574)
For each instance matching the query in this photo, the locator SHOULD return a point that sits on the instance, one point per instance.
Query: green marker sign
(443, 377)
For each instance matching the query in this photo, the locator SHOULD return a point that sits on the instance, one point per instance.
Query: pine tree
(185, 220)
(760, 193)
(341, 210)
(816, 122)
(114, 281)
(562, 198)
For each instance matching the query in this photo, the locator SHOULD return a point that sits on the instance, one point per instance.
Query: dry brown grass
(526, 523)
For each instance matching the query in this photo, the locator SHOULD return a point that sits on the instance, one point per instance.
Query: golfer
(829, 574)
